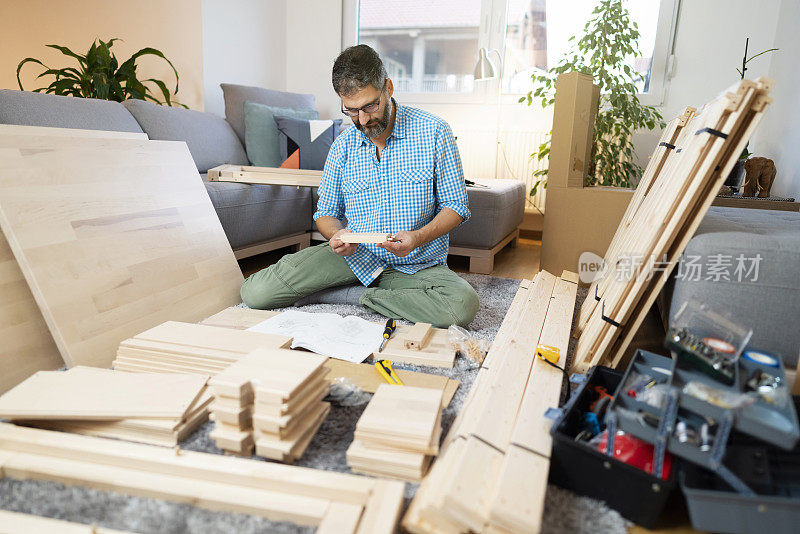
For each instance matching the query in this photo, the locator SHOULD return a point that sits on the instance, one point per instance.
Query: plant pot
(735, 178)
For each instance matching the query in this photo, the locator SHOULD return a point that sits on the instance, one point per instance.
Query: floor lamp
(486, 70)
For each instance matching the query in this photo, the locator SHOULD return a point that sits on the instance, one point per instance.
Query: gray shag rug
(564, 511)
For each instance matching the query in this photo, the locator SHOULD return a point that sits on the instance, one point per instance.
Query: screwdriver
(391, 326)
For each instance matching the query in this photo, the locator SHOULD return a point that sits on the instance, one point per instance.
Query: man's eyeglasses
(369, 108)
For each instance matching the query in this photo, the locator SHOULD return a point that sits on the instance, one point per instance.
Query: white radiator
(477, 148)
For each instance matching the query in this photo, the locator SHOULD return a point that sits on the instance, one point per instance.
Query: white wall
(244, 42)
(778, 136)
(313, 40)
(709, 45)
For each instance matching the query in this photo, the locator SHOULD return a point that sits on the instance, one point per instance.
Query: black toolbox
(771, 472)
(637, 495)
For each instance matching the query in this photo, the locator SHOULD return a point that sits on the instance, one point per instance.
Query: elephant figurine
(759, 175)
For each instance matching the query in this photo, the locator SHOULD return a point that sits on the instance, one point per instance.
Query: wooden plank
(108, 245)
(468, 494)
(88, 393)
(13, 522)
(300, 241)
(294, 445)
(543, 390)
(340, 518)
(755, 203)
(521, 488)
(27, 345)
(274, 505)
(383, 508)
(187, 464)
(418, 336)
(374, 237)
(404, 412)
(14, 129)
(207, 337)
(495, 421)
(265, 175)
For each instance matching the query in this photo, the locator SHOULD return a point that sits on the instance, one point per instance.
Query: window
(427, 47)
(537, 34)
(432, 47)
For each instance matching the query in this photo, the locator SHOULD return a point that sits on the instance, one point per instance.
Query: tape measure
(548, 353)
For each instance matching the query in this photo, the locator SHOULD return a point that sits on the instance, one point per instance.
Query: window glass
(537, 33)
(427, 47)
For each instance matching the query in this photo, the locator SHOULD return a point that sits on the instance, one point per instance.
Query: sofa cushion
(306, 142)
(769, 303)
(253, 213)
(236, 95)
(36, 109)
(496, 212)
(210, 139)
(261, 131)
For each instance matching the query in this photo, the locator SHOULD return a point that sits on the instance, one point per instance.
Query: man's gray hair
(356, 68)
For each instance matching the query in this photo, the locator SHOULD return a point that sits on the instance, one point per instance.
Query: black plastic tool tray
(637, 495)
(773, 474)
(693, 410)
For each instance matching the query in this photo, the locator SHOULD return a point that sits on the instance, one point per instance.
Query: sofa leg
(481, 265)
(514, 242)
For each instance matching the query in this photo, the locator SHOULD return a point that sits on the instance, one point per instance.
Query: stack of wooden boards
(273, 398)
(104, 234)
(210, 347)
(335, 503)
(491, 475)
(690, 164)
(398, 434)
(160, 409)
(175, 347)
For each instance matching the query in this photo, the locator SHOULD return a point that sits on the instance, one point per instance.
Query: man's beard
(375, 127)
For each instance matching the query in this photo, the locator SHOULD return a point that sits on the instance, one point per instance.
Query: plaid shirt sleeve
(331, 201)
(451, 192)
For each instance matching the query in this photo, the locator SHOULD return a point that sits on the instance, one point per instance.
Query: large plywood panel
(26, 345)
(114, 236)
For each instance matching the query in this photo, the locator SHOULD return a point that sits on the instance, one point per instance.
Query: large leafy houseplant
(605, 50)
(100, 75)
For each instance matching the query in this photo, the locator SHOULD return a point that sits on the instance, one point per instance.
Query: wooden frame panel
(265, 175)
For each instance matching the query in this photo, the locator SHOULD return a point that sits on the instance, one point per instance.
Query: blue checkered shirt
(419, 174)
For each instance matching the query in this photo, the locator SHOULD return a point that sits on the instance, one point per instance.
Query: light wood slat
(13, 522)
(651, 174)
(686, 233)
(274, 505)
(265, 175)
(521, 488)
(89, 393)
(406, 413)
(418, 336)
(190, 465)
(495, 420)
(340, 518)
(27, 345)
(372, 237)
(383, 508)
(207, 337)
(113, 236)
(15, 129)
(668, 216)
(532, 429)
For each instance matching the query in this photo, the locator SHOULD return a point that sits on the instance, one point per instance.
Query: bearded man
(397, 172)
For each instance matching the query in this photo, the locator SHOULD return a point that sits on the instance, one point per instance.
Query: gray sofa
(769, 303)
(253, 216)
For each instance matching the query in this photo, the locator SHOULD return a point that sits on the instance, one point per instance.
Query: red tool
(601, 393)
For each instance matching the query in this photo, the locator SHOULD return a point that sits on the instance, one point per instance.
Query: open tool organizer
(776, 423)
(575, 465)
(774, 475)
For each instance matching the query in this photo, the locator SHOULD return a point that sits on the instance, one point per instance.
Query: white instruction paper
(345, 338)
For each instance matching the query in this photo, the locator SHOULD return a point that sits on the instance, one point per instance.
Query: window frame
(491, 34)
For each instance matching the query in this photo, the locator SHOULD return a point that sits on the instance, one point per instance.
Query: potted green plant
(735, 178)
(604, 51)
(100, 75)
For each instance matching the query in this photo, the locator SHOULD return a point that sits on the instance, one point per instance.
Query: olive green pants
(434, 295)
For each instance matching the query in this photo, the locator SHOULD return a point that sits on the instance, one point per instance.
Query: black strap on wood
(712, 131)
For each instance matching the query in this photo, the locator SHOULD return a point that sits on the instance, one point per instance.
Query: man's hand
(339, 247)
(402, 243)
